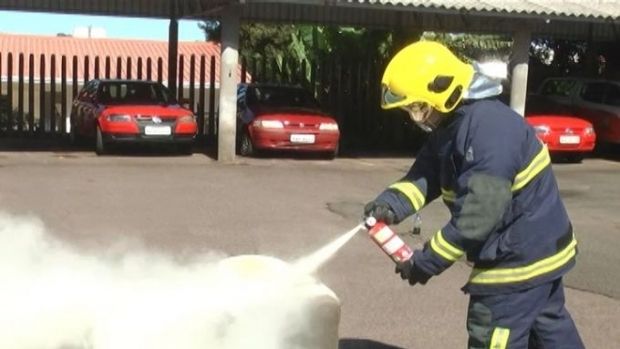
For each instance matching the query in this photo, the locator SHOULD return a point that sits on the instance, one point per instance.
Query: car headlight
(542, 129)
(187, 119)
(588, 131)
(268, 124)
(119, 118)
(328, 126)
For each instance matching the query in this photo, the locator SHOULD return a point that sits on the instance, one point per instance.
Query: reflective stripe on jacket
(507, 216)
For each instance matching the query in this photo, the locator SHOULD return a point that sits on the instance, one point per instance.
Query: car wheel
(101, 148)
(246, 148)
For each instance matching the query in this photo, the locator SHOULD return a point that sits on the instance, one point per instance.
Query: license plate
(302, 138)
(157, 130)
(570, 139)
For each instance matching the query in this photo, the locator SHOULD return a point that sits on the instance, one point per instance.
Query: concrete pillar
(519, 64)
(227, 122)
(173, 49)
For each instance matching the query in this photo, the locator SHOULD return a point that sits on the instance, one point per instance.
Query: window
(282, 97)
(613, 95)
(594, 92)
(561, 88)
(127, 92)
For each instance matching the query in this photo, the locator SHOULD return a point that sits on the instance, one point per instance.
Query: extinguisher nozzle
(370, 221)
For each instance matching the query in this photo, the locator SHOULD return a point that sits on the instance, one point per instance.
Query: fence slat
(20, 94)
(139, 76)
(128, 70)
(160, 70)
(86, 69)
(119, 67)
(192, 81)
(108, 67)
(201, 97)
(212, 100)
(42, 83)
(74, 78)
(149, 67)
(180, 78)
(243, 69)
(63, 95)
(97, 68)
(31, 93)
(53, 94)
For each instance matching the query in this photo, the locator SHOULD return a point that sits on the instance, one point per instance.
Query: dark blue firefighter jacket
(507, 216)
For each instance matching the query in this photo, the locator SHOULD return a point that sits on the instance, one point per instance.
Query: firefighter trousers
(535, 318)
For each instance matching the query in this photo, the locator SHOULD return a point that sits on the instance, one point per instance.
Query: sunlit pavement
(285, 207)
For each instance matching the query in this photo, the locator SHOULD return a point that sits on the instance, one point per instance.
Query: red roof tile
(81, 48)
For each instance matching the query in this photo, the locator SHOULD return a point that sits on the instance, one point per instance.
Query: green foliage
(474, 47)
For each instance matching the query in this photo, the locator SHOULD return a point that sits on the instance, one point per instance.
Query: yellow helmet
(425, 72)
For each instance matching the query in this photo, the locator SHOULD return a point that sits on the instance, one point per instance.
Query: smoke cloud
(53, 297)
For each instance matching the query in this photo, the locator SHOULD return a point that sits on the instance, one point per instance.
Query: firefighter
(495, 176)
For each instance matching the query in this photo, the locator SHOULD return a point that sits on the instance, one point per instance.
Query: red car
(565, 136)
(130, 111)
(276, 117)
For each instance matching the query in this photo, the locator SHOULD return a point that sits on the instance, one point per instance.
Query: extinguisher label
(383, 235)
(393, 245)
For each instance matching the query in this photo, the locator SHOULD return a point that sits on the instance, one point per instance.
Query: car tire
(101, 146)
(246, 148)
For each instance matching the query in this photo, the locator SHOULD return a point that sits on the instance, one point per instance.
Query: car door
(78, 111)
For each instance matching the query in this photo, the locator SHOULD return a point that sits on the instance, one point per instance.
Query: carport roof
(596, 19)
(594, 9)
(601, 9)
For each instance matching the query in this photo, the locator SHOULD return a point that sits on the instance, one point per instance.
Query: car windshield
(127, 92)
(282, 97)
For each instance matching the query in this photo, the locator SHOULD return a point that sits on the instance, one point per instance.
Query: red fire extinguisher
(389, 241)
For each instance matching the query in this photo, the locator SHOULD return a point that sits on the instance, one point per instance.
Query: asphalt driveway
(191, 205)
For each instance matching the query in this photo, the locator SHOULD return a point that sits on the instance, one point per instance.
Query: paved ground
(287, 208)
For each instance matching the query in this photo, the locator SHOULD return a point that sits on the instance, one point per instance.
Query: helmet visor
(425, 116)
(389, 98)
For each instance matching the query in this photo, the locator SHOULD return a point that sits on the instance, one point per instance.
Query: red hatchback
(275, 117)
(565, 136)
(130, 111)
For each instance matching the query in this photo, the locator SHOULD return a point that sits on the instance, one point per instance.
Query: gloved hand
(410, 271)
(381, 211)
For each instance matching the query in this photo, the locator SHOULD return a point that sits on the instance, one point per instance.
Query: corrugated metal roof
(70, 47)
(131, 8)
(601, 9)
(438, 18)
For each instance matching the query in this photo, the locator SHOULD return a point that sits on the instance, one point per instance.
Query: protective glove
(381, 211)
(410, 271)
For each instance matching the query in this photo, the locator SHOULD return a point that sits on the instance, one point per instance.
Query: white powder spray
(52, 297)
(312, 262)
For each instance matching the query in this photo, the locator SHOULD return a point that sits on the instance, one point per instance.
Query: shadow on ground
(62, 145)
(355, 343)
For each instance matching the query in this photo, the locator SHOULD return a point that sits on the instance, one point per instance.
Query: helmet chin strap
(427, 119)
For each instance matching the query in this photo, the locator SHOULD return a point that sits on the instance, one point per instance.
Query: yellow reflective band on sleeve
(445, 249)
(508, 275)
(499, 339)
(448, 195)
(412, 193)
(538, 164)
